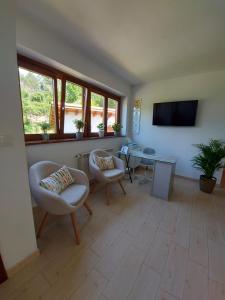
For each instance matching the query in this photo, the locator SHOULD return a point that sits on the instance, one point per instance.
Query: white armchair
(67, 202)
(107, 176)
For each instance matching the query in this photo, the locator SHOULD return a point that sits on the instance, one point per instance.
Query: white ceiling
(140, 40)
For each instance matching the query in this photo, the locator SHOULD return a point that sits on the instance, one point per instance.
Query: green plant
(209, 158)
(79, 124)
(116, 127)
(45, 127)
(100, 126)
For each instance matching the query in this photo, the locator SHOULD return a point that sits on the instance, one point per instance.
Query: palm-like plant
(79, 124)
(45, 127)
(209, 158)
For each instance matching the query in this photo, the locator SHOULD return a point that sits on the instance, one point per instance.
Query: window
(73, 109)
(37, 95)
(51, 96)
(112, 114)
(97, 111)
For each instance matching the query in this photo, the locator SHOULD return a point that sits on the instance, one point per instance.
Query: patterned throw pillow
(105, 163)
(64, 177)
(52, 184)
(58, 181)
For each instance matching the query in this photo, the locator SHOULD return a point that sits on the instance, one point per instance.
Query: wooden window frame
(40, 68)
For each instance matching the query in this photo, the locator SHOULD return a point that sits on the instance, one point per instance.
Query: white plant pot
(101, 133)
(79, 135)
(45, 137)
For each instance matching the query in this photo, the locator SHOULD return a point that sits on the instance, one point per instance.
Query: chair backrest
(97, 152)
(40, 170)
(149, 151)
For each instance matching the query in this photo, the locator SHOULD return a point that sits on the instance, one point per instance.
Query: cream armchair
(107, 176)
(67, 202)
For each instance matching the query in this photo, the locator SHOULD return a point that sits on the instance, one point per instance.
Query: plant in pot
(79, 124)
(45, 127)
(116, 128)
(101, 129)
(208, 161)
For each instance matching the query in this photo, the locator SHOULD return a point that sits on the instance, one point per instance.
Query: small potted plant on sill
(45, 127)
(101, 130)
(209, 161)
(116, 128)
(79, 124)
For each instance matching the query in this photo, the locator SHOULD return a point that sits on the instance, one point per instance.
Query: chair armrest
(119, 163)
(79, 176)
(50, 201)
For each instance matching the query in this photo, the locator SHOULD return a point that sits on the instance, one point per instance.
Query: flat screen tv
(177, 113)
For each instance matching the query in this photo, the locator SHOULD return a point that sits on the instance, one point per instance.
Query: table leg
(127, 158)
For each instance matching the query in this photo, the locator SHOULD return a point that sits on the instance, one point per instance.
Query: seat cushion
(74, 193)
(113, 174)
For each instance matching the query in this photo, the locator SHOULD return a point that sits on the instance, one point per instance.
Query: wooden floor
(138, 248)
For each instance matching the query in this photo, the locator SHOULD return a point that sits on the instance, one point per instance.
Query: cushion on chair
(74, 193)
(113, 173)
(64, 177)
(57, 181)
(52, 184)
(105, 163)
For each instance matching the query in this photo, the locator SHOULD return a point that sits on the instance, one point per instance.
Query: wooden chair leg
(75, 227)
(93, 188)
(86, 205)
(120, 183)
(43, 222)
(107, 194)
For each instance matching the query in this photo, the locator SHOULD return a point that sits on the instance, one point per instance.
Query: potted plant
(79, 124)
(45, 127)
(101, 129)
(208, 161)
(116, 128)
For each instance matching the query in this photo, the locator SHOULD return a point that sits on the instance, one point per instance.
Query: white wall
(17, 236)
(32, 35)
(64, 153)
(209, 89)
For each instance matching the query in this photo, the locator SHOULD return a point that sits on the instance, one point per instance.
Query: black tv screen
(179, 113)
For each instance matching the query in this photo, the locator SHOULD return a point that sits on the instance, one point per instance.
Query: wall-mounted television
(177, 113)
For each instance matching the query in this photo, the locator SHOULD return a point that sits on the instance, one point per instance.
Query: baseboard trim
(11, 271)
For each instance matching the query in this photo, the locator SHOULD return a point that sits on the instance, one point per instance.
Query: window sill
(41, 142)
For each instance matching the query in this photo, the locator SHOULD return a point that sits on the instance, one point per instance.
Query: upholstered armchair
(107, 177)
(67, 202)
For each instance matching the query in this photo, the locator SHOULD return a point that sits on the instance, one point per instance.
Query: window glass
(112, 112)
(73, 106)
(97, 111)
(37, 95)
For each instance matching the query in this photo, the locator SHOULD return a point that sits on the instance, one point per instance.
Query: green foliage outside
(37, 98)
(73, 93)
(209, 158)
(98, 100)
